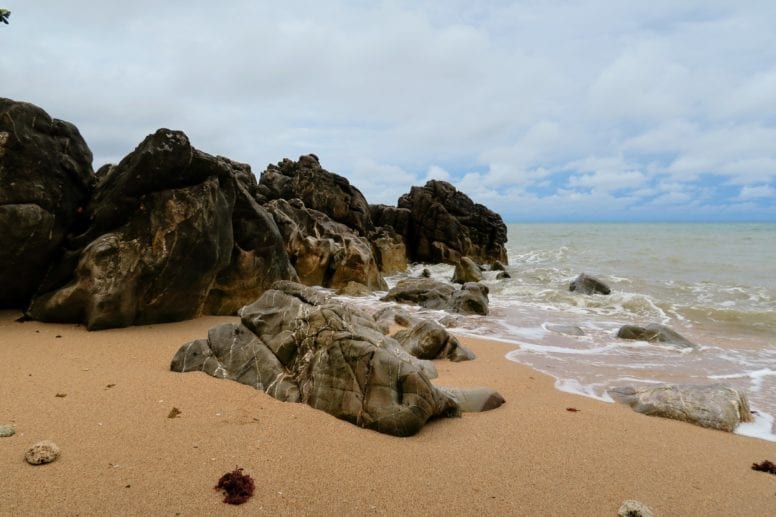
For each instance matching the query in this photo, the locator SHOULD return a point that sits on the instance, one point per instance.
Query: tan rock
(42, 452)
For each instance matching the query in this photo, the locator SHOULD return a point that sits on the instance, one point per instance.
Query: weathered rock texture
(323, 251)
(471, 298)
(318, 189)
(42, 453)
(390, 251)
(585, 284)
(160, 236)
(632, 508)
(466, 270)
(296, 344)
(446, 224)
(430, 340)
(46, 179)
(654, 333)
(714, 406)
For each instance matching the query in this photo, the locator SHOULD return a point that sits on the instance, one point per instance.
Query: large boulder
(586, 284)
(446, 224)
(390, 251)
(466, 270)
(46, 179)
(715, 406)
(324, 252)
(398, 219)
(471, 298)
(429, 340)
(319, 189)
(160, 231)
(330, 356)
(655, 333)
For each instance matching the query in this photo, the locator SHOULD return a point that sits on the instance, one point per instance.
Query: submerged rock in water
(715, 406)
(654, 333)
(296, 344)
(585, 284)
(471, 298)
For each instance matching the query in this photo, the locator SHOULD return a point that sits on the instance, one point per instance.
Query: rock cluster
(297, 345)
(471, 298)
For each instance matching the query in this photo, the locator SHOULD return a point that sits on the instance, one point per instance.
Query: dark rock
(390, 315)
(322, 251)
(392, 217)
(335, 355)
(654, 333)
(502, 275)
(584, 284)
(498, 266)
(319, 190)
(425, 273)
(46, 179)
(446, 225)
(472, 298)
(161, 235)
(466, 270)
(714, 406)
(430, 340)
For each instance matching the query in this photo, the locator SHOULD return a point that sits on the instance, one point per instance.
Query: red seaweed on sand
(237, 487)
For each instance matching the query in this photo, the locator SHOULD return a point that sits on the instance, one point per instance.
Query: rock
(46, 179)
(425, 273)
(390, 252)
(42, 452)
(502, 275)
(498, 266)
(319, 190)
(397, 219)
(172, 232)
(714, 406)
(584, 284)
(335, 355)
(466, 270)
(258, 258)
(390, 316)
(568, 330)
(7, 430)
(472, 298)
(446, 225)
(430, 340)
(654, 333)
(631, 508)
(353, 289)
(473, 400)
(324, 252)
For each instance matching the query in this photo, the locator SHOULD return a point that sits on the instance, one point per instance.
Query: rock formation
(714, 406)
(296, 344)
(655, 333)
(160, 235)
(472, 298)
(319, 190)
(466, 270)
(46, 179)
(323, 251)
(446, 224)
(585, 284)
(430, 340)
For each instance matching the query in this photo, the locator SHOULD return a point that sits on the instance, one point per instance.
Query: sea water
(715, 284)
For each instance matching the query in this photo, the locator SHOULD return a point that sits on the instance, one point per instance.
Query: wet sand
(122, 455)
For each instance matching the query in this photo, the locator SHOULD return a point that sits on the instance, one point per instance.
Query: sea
(715, 284)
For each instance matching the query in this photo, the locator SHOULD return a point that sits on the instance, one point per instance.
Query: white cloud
(757, 192)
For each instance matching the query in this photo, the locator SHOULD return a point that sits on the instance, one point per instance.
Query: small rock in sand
(42, 452)
(631, 508)
(7, 430)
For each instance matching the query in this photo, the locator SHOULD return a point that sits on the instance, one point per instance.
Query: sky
(586, 110)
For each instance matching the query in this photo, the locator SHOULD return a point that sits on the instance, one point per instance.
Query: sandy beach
(104, 398)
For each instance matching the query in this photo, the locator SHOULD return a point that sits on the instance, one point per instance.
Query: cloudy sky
(542, 110)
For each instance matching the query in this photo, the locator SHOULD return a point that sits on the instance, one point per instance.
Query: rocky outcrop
(466, 270)
(585, 284)
(471, 298)
(389, 249)
(430, 340)
(392, 217)
(319, 190)
(296, 344)
(446, 224)
(714, 406)
(324, 252)
(160, 232)
(46, 179)
(655, 333)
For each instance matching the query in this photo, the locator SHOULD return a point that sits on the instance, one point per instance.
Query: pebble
(7, 430)
(632, 508)
(42, 452)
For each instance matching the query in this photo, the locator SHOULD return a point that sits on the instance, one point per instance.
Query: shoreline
(120, 452)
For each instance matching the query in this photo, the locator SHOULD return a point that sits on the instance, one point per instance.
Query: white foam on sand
(761, 428)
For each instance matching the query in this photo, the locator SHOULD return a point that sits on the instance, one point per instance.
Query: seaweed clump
(237, 487)
(765, 466)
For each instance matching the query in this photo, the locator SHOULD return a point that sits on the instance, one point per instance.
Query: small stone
(7, 430)
(631, 508)
(174, 412)
(42, 452)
